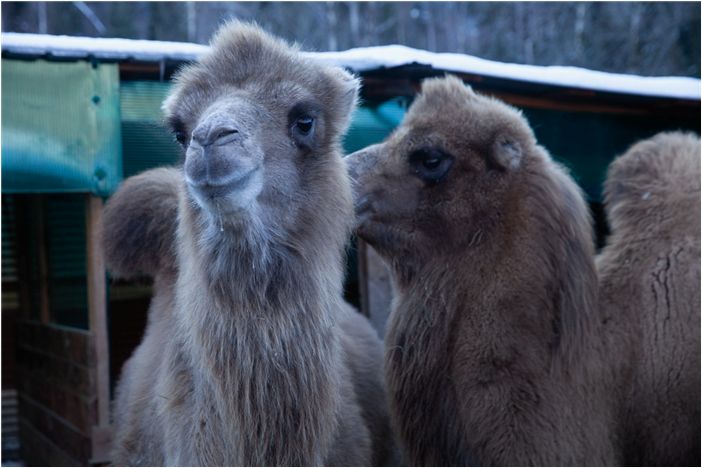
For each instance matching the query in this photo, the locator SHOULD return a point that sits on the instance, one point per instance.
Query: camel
(491, 349)
(250, 356)
(650, 285)
(506, 344)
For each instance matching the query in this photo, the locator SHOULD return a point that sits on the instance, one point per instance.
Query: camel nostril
(223, 136)
(215, 136)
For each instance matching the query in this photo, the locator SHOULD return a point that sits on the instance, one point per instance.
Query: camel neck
(259, 326)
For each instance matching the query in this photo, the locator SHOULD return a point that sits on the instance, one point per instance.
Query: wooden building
(80, 115)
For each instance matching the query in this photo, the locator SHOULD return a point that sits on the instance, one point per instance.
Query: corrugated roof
(361, 60)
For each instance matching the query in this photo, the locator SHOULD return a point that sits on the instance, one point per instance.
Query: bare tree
(650, 38)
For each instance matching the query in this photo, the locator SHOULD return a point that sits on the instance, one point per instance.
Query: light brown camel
(251, 356)
(650, 286)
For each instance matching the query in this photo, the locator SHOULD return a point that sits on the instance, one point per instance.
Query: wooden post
(97, 313)
(375, 286)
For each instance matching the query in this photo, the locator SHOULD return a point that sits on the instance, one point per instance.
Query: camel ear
(346, 89)
(506, 153)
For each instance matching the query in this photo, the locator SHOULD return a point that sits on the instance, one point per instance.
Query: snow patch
(364, 59)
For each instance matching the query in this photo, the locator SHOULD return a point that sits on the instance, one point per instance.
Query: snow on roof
(395, 55)
(361, 60)
(101, 48)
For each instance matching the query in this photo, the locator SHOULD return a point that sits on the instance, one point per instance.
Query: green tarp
(60, 127)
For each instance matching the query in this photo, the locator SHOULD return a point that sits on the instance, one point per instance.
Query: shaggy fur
(650, 286)
(251, 357)
(150, 198)
(493, 351)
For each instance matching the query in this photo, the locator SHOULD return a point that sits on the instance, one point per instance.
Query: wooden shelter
(81, 114)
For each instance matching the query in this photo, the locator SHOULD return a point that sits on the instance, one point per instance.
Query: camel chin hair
(250, 356)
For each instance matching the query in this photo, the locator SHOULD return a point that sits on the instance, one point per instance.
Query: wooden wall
(57, 394)
(61, 372)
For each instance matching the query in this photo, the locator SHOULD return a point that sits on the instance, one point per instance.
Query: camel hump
(661, 169)
(139, 224)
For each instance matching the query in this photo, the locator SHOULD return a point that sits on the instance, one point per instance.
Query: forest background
(643, 38)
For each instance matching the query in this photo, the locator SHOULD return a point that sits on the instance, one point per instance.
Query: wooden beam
(97, 307)
(101, 439)
(559, 104)
(386, 85)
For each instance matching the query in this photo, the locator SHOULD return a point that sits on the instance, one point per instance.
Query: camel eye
(303, 131)
(180, 137)
(178, 130)
(304, 125)
(430, 164)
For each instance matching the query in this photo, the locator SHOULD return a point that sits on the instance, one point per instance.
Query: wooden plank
(55, 428)
(67, 343)
(135, 70)
(78, 410)
(55, 368)
(58, 371)
(38, 450)
(97, 313)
